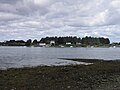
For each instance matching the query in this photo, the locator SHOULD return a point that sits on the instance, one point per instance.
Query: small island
(67, 41)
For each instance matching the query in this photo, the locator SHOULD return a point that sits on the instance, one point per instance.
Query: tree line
(73, 40)
(95, 41)
(59, 41)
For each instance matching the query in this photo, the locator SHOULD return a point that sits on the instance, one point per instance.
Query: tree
(61, 40)
(29, 42)
(35, 42)
(95, 41)
(107, 41)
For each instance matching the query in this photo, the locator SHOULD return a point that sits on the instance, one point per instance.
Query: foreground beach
(101, 75)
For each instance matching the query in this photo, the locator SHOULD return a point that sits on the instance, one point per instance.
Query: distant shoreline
(68, 47)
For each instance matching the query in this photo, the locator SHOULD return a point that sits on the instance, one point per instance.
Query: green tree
(35, 42)
(29, 42)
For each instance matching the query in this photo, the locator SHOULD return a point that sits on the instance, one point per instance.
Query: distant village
(63, 42)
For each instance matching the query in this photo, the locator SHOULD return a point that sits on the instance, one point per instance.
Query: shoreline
(102, 75)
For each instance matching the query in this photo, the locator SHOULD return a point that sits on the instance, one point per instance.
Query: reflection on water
(26, 56)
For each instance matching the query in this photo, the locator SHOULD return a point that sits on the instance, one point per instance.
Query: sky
(25, 19)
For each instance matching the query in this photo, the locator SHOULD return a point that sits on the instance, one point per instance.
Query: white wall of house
(42, 44)
(68, 43)
(52, 42)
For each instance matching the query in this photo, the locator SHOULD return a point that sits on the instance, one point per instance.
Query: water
(34, 56)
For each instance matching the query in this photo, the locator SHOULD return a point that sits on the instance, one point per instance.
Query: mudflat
(100, 75)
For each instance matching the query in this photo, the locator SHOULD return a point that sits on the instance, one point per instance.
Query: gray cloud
(23, 19)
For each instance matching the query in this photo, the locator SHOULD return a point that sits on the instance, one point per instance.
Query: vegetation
(115, 44)
(95, 41)
(35, 42)
(97, 76)
(28, 42)
(73, 40)
(13, 43)
(63, 41)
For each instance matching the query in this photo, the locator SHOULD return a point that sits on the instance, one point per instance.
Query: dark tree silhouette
(29, 42)
(95, 41)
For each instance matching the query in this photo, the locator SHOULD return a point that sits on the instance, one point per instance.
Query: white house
(52, 42)
(68, 43)
(78, 43)
(42, 44)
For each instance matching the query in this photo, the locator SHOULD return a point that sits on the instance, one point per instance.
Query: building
(68, 43)
(78, 43)
(52, 42)
(42, 44)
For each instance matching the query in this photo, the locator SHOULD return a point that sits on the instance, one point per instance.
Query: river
(15, 57)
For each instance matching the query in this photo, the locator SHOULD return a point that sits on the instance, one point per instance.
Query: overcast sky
(24, 19)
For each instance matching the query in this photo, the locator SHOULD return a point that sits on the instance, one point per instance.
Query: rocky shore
(101, 75)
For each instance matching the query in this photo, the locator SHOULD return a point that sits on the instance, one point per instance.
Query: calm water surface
(26, 56)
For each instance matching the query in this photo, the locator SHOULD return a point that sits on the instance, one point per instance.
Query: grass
(102, 75)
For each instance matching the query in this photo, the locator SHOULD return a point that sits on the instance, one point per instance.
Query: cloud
(24, 19)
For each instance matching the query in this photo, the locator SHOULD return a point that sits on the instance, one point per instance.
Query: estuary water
(15, 57)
